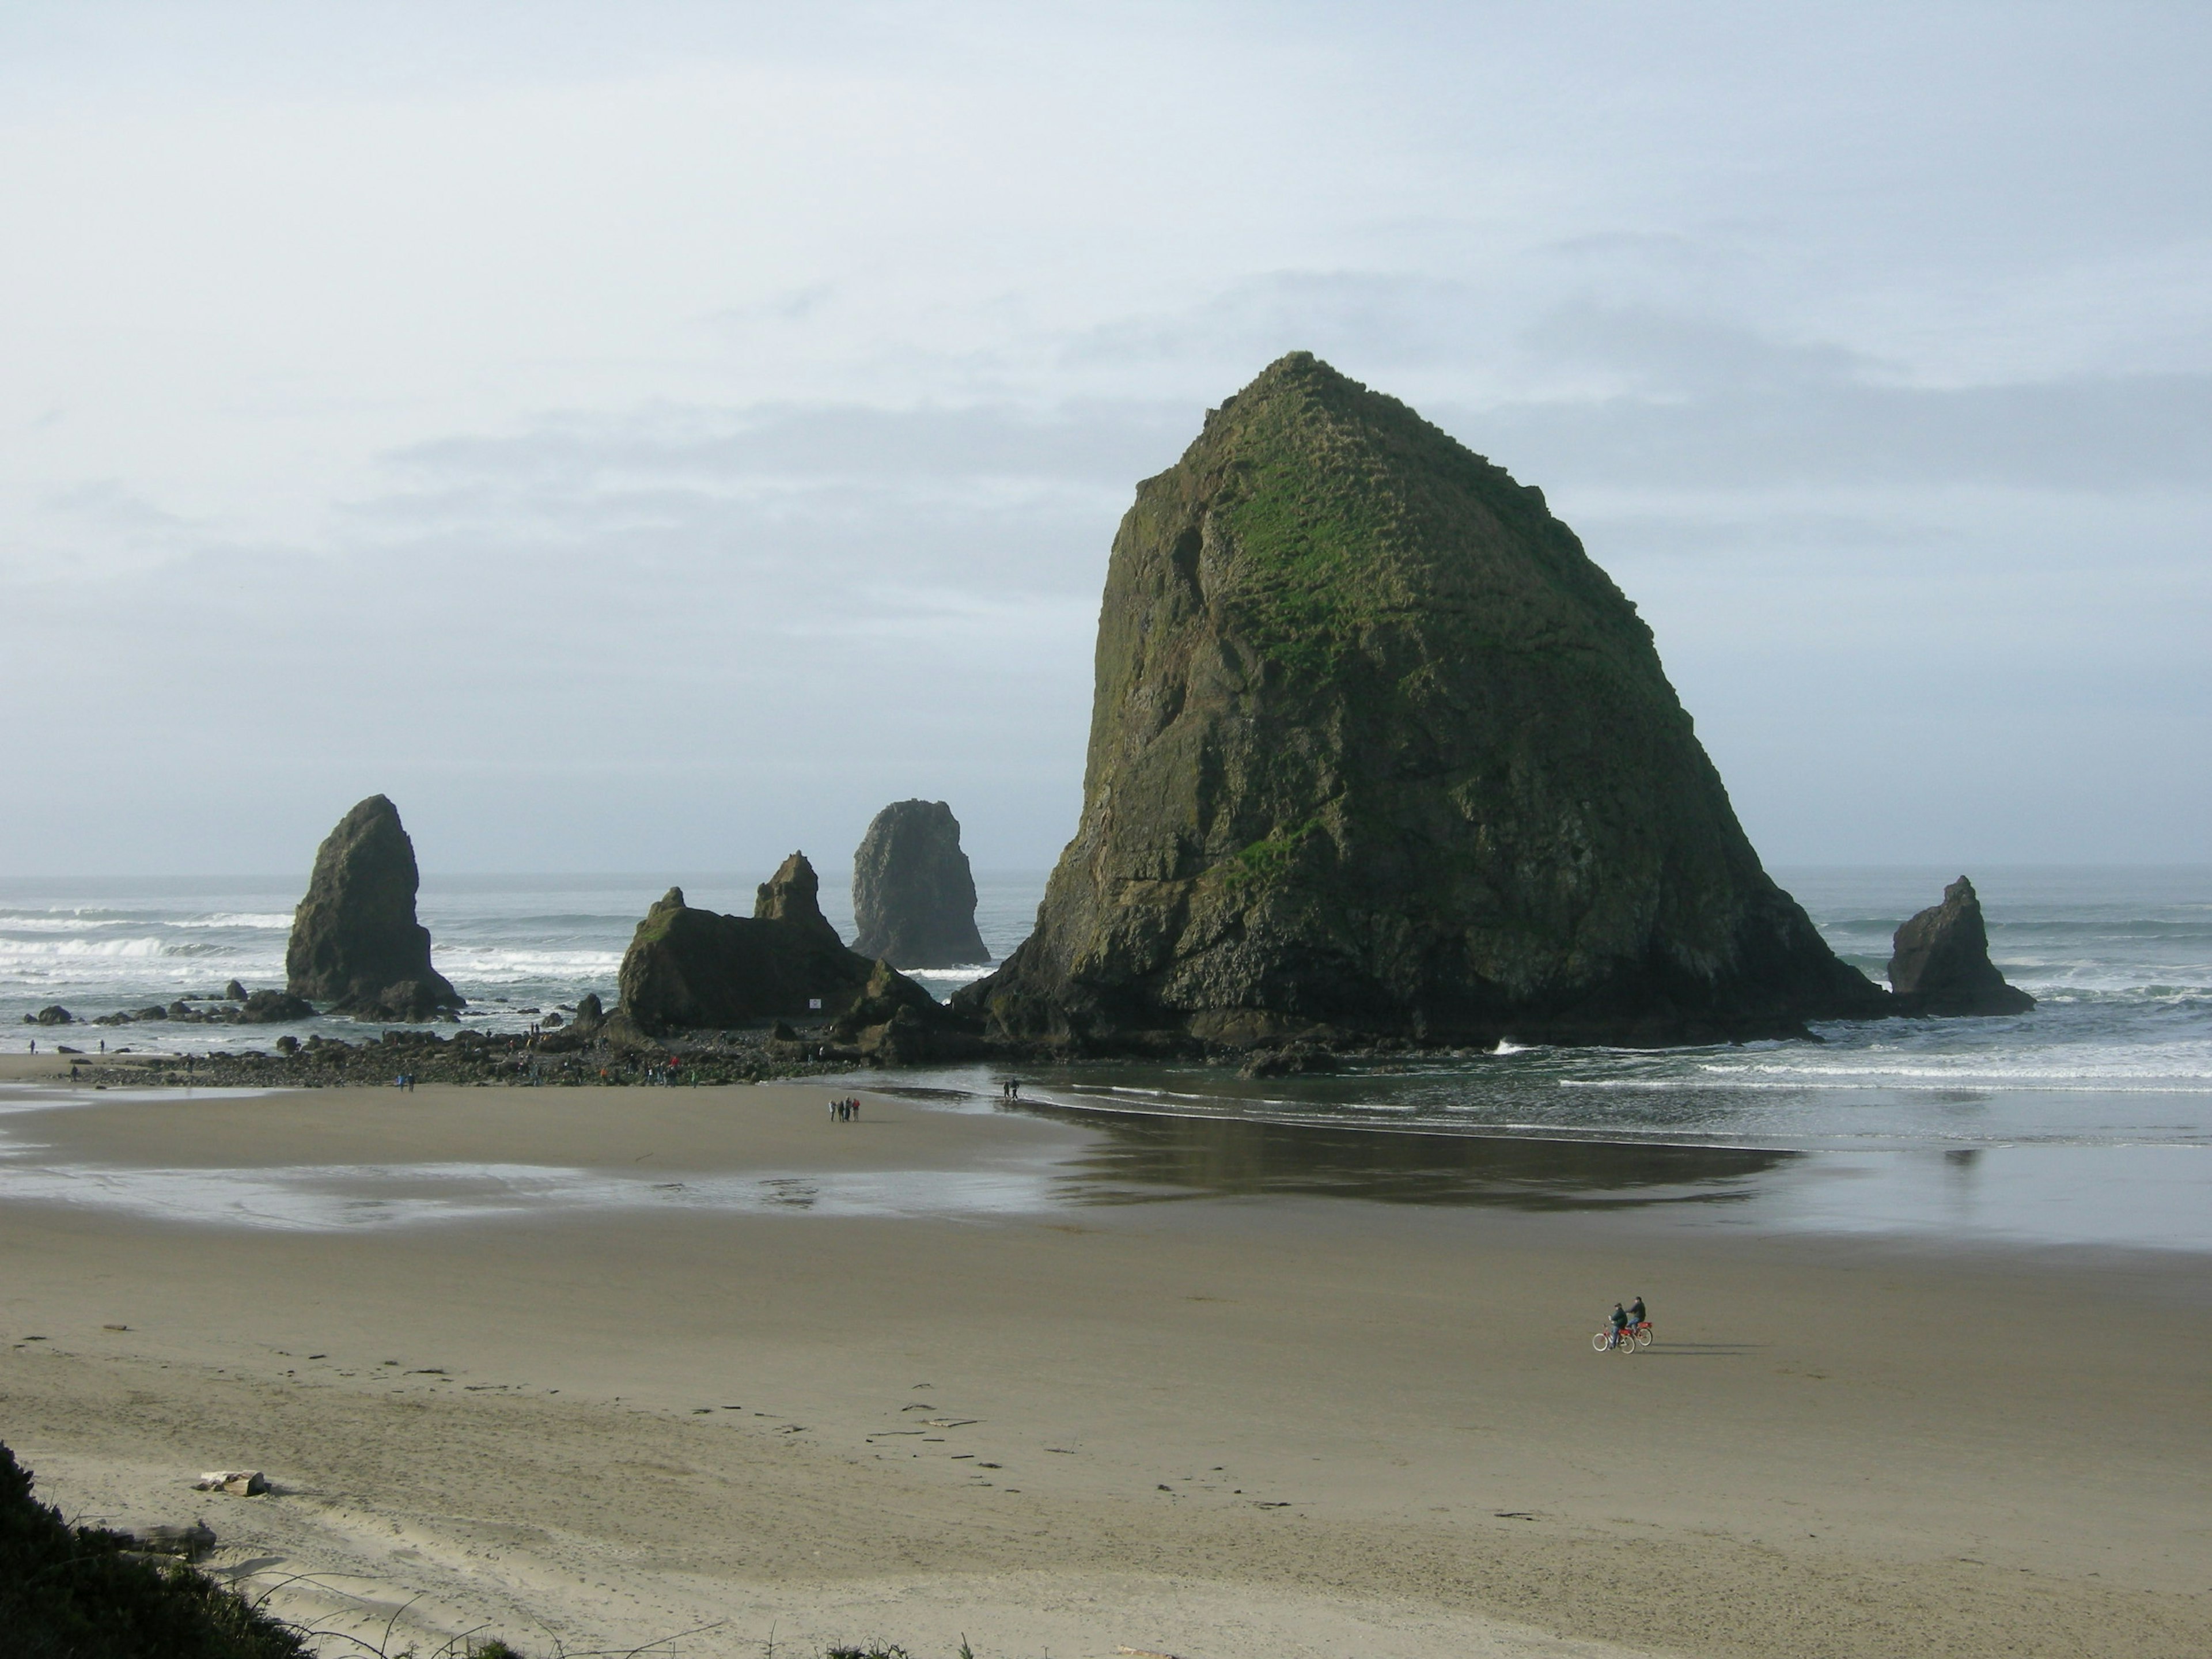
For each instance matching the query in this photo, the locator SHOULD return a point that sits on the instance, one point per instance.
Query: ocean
(2088, 1121)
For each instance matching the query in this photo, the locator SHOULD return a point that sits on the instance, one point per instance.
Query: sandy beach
(708, 1365)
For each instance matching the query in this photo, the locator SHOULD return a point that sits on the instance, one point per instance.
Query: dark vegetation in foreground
(84, 1593)
(71, 1592)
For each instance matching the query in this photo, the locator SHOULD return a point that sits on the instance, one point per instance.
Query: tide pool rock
(1939, 961)
(913, 896)
(687, 968)
(1376, 751)
(356, 942)
(274, 1008)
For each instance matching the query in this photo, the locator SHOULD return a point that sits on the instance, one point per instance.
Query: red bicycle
(1627, 1340)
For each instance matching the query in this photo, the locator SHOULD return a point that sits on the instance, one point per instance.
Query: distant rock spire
(356, 944)
(1939, 961)
(913, 896)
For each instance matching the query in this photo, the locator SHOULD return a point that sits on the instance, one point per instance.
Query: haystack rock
(687, 967)
(356, 944)
(1377, 751)
(913, 896)
(1940, 962)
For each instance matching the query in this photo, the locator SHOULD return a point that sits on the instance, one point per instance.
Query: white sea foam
(142, 946)
(78, 921)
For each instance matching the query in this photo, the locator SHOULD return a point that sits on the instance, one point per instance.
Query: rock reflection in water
(1143, 1157)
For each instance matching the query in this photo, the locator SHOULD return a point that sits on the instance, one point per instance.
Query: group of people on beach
(1010, 1089)
(845, 1110)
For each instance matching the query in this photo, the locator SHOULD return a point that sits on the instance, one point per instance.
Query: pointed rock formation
(1376, 750)
(687, 969)
(913, 896)
(356, 944)
(1940, 962)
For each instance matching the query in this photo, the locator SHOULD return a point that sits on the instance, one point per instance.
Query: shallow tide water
(2085, 1122)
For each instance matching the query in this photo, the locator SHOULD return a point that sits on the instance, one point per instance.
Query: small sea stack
(356, 944)
(913, 896)
(687, 968)
(1378, 752)
(1940, 962)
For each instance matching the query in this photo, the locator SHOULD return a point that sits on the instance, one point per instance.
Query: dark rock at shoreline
(894, 1022)
(473, 1056)
(409, 1002)
(688, 969)
(234, 992)
(1940, 962)
(1291, 1060)
(274, 1008)
(53, 1014)
(913, 896)
(591, 1014)
(356, 943)
(1376, 749)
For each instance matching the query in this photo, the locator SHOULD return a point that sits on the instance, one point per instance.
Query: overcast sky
(653, 436)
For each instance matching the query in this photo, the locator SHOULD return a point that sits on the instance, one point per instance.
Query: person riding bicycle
(1619, 1321)
(1636, 1314)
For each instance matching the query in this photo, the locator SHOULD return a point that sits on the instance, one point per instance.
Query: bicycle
(1622, 1342)
(1642, 1332)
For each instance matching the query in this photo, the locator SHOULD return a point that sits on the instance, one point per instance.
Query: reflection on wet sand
(1144, 1156)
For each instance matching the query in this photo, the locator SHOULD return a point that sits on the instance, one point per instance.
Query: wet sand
(1220, 1426)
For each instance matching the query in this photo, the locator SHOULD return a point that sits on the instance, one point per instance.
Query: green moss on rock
(1376, 748)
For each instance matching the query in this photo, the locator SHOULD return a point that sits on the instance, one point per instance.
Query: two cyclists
(1626, 1328)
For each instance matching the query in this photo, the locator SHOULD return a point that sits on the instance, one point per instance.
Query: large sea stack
(913, 896)
(1940, 962)
(1377, 751)
(356, 944)
(687, 968)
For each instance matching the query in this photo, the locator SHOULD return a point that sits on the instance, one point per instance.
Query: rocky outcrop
(894, 1021)
(1376, 748)
(1940, 962)
(1292, 1060)
(408, 1002)
(274, 1008)
(53, 1014)
(355, 943)
(688, 969)
(913, 896)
